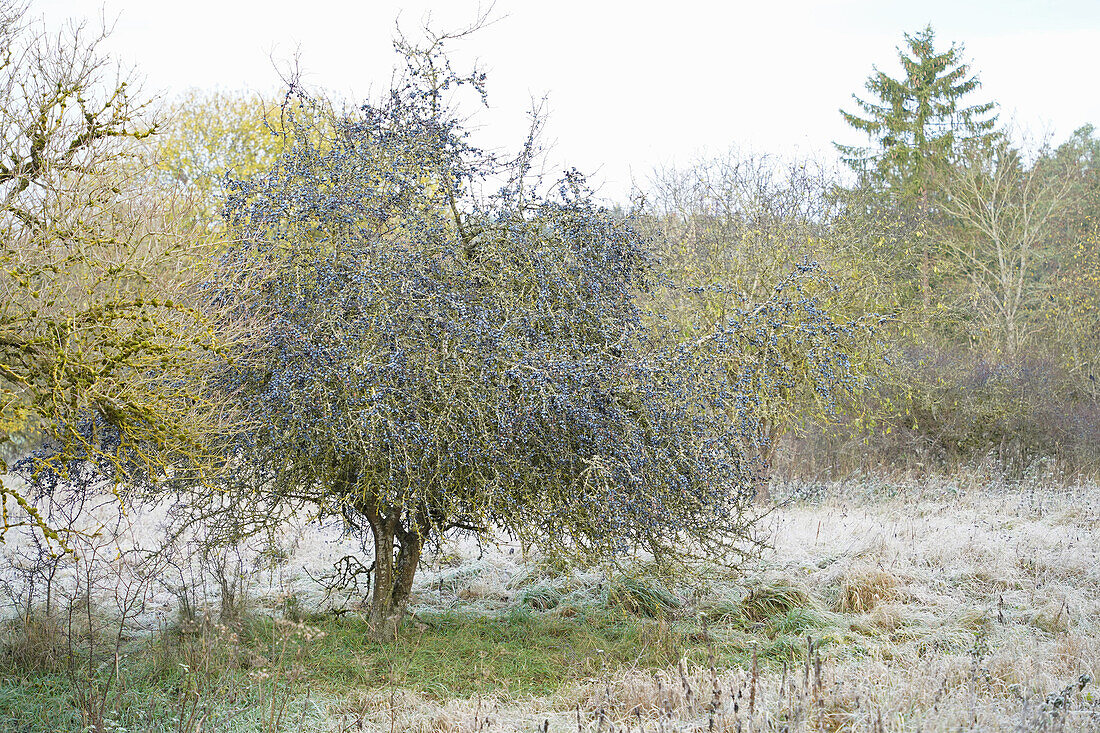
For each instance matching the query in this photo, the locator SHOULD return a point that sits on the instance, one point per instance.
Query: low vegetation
(892, 606)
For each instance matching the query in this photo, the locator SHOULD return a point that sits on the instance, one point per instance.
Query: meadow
(878, 605)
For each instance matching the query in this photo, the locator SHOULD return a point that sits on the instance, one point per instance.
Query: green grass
(36, 702)
(444, 655)
(532, 653)
(235, 675)
(520, 652)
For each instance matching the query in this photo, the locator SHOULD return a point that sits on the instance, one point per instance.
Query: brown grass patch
(862, 589)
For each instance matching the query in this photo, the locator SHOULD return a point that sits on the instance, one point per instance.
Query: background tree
(100, 311)
(207, 137)
(917, 126)
(1075, 310)
(739, 231)
(1005, 213)
(1073, 315)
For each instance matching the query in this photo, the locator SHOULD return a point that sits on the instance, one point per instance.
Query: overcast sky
(631, 85)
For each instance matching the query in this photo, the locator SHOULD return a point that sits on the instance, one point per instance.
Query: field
(877, 606)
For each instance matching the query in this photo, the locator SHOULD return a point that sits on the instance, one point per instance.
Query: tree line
(976, 246)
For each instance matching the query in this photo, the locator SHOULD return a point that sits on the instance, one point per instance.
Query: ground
(878, 605)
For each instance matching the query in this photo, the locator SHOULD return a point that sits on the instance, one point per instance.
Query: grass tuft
(862, 589)
(33, 643)
(541, 596)
(771, 599)
(641, 597)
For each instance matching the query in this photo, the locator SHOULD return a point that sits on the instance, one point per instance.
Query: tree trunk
(393, 576)
(766, 449)
(926, 277)
(926, 257)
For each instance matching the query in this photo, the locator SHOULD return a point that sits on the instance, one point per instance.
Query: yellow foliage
(210, 135)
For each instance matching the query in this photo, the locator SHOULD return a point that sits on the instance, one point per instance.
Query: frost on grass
(931, 610)
(928, 609)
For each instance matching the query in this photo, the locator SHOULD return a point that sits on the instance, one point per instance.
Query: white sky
(631, 84)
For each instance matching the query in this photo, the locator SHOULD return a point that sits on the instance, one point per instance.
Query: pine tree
(919, 127)
(917, 124)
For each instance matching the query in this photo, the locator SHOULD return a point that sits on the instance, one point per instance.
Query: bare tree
(102, 314)
(1005, 216)
(755, 237)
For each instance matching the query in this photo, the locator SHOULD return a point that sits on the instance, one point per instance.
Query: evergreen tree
(918, 127)
(917, 123)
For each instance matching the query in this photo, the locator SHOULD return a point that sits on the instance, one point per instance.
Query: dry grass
(948, 608)
(930, 607)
